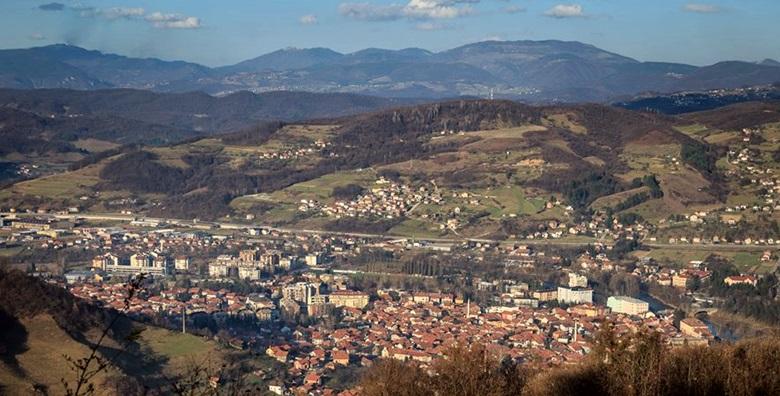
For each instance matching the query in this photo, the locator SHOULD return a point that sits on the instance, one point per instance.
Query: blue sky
(218, 32)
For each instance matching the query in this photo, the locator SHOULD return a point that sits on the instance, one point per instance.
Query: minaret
(576, 328)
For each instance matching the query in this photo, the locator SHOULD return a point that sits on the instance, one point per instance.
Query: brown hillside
(738, 116)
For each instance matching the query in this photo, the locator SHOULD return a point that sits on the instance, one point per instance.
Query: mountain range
(525, 70)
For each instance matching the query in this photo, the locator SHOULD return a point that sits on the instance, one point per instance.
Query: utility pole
(184, 321)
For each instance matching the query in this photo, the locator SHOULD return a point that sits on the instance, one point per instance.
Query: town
(322, 303)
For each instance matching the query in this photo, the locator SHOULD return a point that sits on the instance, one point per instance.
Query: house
(682, 281)
(341, 357)
(277, 353)
(693, 327)
(741, 280)
(312, 379)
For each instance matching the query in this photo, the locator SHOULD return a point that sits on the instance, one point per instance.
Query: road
(304, 231)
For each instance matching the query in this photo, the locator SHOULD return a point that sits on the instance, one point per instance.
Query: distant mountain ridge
(548, 70)
(693, 101)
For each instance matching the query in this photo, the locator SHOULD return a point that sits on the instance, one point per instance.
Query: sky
(221, 32)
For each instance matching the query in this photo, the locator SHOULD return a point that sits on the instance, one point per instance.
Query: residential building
(627, 305)
(741, 280)
(182, 263)
(577, 280)
(693, 327)
(348, 298)
(574, 295)
(546, 295)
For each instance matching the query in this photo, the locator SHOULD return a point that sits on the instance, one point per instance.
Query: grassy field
(64, 185)
(44, 361)
(513, 200)
(750, 262)
(722, 138)
(503, 133)
(745, 261)
(285, 202)
(321, 188)
(611, 201)
(171, 156)
(414, 228)
(693, 130)
(677, 256)
(565, 121)
(653, 210)
(94, 145)
(313, 132)
(180, 349)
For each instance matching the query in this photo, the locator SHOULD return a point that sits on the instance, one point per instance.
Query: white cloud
(173, 21)
(122, 12)
(156, 19)
(37, 37)
(310, 19)
(702, 8)
(370, 12)
(110, 13)
(414, 9)
(565, 11)
(436, 9)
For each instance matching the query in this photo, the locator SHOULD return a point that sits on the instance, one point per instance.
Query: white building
(314, 259)
(140, 263)
(301, 292)
(577, 280)
(574, 295)
(288, 263)
(627, 305)
(182, 263)
(249, 272)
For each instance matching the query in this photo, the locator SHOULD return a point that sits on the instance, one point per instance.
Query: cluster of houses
(405, 325)
(421, 327)
(729, 216)
(295, 152)
(385, 200)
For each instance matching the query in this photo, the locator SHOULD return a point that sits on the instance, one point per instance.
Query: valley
(376, 197)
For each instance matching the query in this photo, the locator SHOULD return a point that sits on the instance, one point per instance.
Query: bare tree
(87, 368)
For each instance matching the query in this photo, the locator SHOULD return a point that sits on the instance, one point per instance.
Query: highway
(243, 226)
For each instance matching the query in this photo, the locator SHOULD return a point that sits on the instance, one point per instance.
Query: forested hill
(52, 128)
